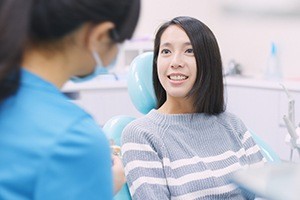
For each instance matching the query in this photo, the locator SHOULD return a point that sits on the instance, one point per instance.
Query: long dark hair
(42, 21)
(208, 89)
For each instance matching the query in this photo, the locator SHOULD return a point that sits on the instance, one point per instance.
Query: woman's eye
(165, 51)
(189, 51)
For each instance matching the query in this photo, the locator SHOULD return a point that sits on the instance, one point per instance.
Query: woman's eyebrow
(166, 44)
(187, 43)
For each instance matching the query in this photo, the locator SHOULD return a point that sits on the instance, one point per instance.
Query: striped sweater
(187, 156)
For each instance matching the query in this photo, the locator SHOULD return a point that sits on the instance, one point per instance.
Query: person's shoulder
(138, 126)
(69, 108)
(74, 123)
(231, 121)
(50, 100)
(72, 118)
(49, 110)
(144, 122)
(86, 128)
(65, 110)
(228, 117)
(142, 128)
(140, 122)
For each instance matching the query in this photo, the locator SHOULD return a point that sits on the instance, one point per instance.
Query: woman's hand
(118, 173)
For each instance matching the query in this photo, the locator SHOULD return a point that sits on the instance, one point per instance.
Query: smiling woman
(189, 146)
(176, 65)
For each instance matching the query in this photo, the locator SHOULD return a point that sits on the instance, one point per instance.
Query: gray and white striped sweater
(187, 156)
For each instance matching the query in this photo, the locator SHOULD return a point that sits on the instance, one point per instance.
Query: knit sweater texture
(187, 156)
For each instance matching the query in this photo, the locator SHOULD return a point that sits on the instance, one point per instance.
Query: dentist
(49, 147)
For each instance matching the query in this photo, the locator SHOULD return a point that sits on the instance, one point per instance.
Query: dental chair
(142, 95)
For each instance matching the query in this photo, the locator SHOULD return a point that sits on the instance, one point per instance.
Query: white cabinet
(261, 105)
(103, 99)
(128, 51)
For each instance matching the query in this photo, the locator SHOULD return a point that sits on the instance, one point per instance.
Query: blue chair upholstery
(142, 95)
(267, 151)
(140, 85)
(113, 129)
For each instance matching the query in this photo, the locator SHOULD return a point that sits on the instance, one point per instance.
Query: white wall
(245, 38)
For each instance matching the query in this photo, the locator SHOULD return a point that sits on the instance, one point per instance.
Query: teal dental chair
(142, 95)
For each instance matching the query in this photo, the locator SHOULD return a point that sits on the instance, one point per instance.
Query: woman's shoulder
(143, 122)
(142, 128)
(140, 125)
(228, 117)
(231, 121)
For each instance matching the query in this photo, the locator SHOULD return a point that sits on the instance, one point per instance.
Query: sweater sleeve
(143, 161)
(252, 150)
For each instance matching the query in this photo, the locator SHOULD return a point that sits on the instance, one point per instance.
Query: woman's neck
(172, 106)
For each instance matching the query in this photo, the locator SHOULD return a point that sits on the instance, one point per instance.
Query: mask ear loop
(97, 58)
(120, 49)
(99, 62)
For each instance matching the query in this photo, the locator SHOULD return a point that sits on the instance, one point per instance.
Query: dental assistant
(49, 147)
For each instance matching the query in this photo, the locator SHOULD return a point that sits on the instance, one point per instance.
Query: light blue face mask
(99, 69)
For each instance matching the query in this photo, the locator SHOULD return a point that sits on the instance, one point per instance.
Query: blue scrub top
(50, 148)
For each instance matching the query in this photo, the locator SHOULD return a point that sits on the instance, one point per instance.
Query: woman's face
(176, 63)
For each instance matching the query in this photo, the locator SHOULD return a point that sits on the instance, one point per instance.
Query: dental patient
(188, 146)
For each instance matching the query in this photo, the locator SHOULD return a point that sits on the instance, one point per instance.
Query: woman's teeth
(178, 77)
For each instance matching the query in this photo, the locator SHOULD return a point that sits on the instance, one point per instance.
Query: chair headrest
(139, 83)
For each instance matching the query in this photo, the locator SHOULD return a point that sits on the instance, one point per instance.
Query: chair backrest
(140, 85)
(266, 150)
(141, 92)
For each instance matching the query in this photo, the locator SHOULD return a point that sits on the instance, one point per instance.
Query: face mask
(98, 70)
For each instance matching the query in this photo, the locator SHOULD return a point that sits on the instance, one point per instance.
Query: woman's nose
(177, 61)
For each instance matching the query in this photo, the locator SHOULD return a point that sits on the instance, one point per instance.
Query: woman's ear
(98, 34)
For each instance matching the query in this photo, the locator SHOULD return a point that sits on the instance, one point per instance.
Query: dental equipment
(293, 139)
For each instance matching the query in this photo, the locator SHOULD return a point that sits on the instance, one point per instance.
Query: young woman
(49, 147)
(188, 147)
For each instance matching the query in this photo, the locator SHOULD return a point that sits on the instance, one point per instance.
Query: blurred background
(245, 29)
